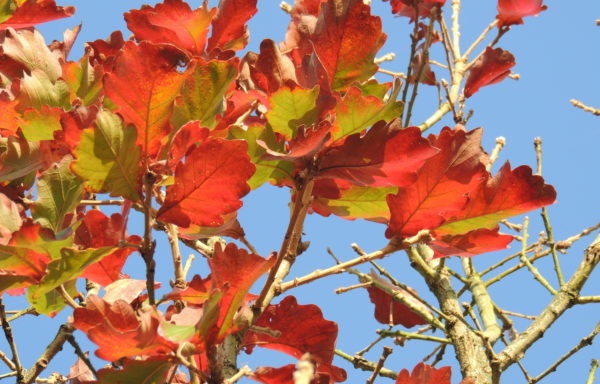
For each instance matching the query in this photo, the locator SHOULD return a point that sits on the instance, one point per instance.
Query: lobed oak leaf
(230, 228)
(470, 244)
(508, 193)
(104, 52)
(351, 202)
(108, 157)
(196, 292)
(491, 68)
(74, 122)
(38, 125)
(300, 329)
(172, 22)
(425, 374)
(442, 185)
(229, 29)
(127, 290)
(84, 80)
(18, 157)
(358, 110)
(37, 90)
(202, 92)
(59, 193)
(291, 108)
(147, 105)
(209, 184)
(96, 231)
(32, 12)
(513, 11)
(261, 137)
(185, 139)
(29, 48)
(407, 7)
(234, 271)
(63, 48)
(346, 39)
(307, 143)
(119, 331)
(270, 70)
(154, 369)
(383, 157)
(390, 311)
(21, 266)
(9, 117)
(10, 218)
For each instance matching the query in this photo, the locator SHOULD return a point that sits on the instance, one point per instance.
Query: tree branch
(52, 349)
(566, 296)
(11, 341)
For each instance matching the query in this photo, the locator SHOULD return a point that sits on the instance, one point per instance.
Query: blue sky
(557, 57)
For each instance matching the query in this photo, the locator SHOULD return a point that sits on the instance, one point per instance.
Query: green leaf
(266, 170)
(59, 192)
(292, 108)
(108, 158)
(18, 158)
(38, 90)
(202, 93)
(358, 203)
(7, 8)
(84, 80)
(69, 266)
(40, 125)
(357, 112)
(153, 370)
(52, 302)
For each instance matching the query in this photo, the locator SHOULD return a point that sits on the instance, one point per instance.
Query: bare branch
(365, 365)
(579, 104)
(384, 355)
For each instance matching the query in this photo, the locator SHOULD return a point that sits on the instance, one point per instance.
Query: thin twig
(173, 236)
(384, 355)
(500, 143)
(11, 341)
(102, 202)
(387, 57)
(244, 371)
(413, 336)
(586, 341)
(248, 245)
(536, 273)
(368, 347)
(395, 74)
(352, 287)
(579, 104)
(51, 350)
(365, 365)
(479, 39)
(592, 374)
(66, 297)
(23, 312)
(148, 245)
(7, 361)
(81, 354)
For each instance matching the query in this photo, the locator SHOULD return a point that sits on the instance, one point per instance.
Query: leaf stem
(148, 245)
(412, 336)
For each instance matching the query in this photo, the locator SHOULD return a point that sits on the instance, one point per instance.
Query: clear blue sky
(557, 57)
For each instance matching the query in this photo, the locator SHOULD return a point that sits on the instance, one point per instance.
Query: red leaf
(302, 329)
(442, 184)
(143, 85)
(186, 137)
(196, 293)
(346, 39)
(512, 11)
(470, 244)
(234, 271)
(33, 12)
(21, 266)
(491, 68)
(307, 7)
(124, 289)
(96, 231)
(424, 374)
(407, 7)
(118, 331)
(384, 156)
(74, 122)
(172, 22)
(9, 117)
(307, 143)
(270, 70)
(396, 313)
(209, 184)
(229, 30)
(105, 51)
(509, 193)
